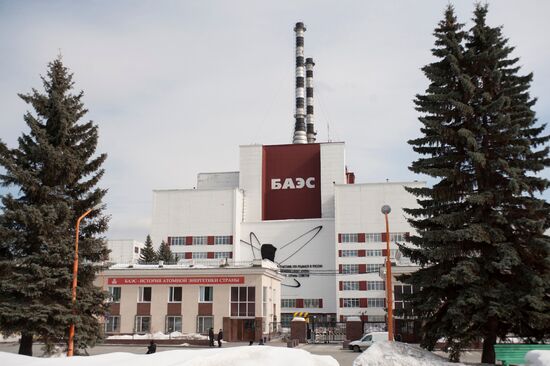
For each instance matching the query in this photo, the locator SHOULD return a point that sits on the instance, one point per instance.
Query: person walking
(211, 337)
(220, 337)
(151, 348)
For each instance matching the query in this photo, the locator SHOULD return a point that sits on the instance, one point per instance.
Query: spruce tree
(480, 241)
(56, 173)
(165, 253)
(148, 254)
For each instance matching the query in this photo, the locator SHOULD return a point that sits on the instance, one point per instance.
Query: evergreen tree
(148, 254)
(165, 253)
(56, 174)
(481, 242)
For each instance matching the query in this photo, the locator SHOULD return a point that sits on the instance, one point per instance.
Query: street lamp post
(386, 209)
(70, 350)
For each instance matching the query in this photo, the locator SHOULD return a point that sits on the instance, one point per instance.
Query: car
(367, 340)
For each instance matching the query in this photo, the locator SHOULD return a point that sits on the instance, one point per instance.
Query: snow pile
(399, 354)
(537, 358)
(235, 356)
(160, 335)
(9, 339)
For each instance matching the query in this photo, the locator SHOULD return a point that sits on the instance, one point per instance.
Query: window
(206, 294)
(174, 294)
(199, 255)
(173, 324)
(114, 294)
(204, 323)
(178, 256)
(350, 285)
(373, 237)
(200, 240)
(376, 303)
(376, 285)
(372, 268)
(350, 238)
(286, 319)
(177, 240)
(112, 324)
(397, 237)
(350, 253)
(374, 252)
(222, 240)
(222, 255)
(350, 268)
(312, 303)
(350, 303)
(264, 301)
(288, 303)
(143, 324)
(144, 294)
(243, 301)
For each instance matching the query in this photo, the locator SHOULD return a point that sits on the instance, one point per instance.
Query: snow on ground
(9, 339)
(537, 358)
(235, 356)
(399, 354)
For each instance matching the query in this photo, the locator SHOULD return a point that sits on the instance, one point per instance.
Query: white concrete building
(298, 205)
(124, 250)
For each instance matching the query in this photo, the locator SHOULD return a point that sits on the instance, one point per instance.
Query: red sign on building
(291, 182)
(175, 280)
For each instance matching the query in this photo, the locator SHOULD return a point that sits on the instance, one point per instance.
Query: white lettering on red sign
(175, 280)
(292, 183)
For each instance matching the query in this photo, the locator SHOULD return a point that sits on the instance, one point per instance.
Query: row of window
(307, 303)
(145, 293)
(203, 255)
(370, 285)
(371, 318)
(366, 253)
(142, 324)
(356, 268)
(372, 237)
(199, 240)
(356, 302)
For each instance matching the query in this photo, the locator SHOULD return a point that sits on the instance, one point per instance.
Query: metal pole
(70, 350)
(389, 288)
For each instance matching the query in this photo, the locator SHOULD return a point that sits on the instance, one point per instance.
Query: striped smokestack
(300, 136)
(310, 124)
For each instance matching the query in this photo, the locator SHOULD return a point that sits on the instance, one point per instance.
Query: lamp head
(386, 209)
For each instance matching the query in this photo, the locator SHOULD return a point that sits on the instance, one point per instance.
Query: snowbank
(235, 356)
(537, 358)
(399, 354)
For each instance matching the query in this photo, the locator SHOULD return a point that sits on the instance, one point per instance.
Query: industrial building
(298, 206)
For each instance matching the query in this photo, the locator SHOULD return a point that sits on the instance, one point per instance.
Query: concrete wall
(124, 250)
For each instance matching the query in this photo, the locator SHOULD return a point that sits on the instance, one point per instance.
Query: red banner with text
(175, 280)
(291, 182)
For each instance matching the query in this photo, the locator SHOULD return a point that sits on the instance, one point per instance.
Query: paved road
(344, 357)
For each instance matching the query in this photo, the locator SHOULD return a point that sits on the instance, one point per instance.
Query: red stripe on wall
(362, 268)
(188, 255)
(169, 240)
(383, 237)
(361, 237)
(339, 268)
(188, 240)
(363, 302)
(210, 240)
(341, 284)
(362, 285)
(339, 238)
(362, 252)
(341, 302)
(299, 303)
(231, 239)
(339, 253)
(210, 255)
(321, 303)
(384, 252)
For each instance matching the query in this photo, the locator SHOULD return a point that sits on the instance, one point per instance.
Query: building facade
(242, 300)
(124, 250)
(298, 206)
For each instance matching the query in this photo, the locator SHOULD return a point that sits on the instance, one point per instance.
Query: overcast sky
(177, 86)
